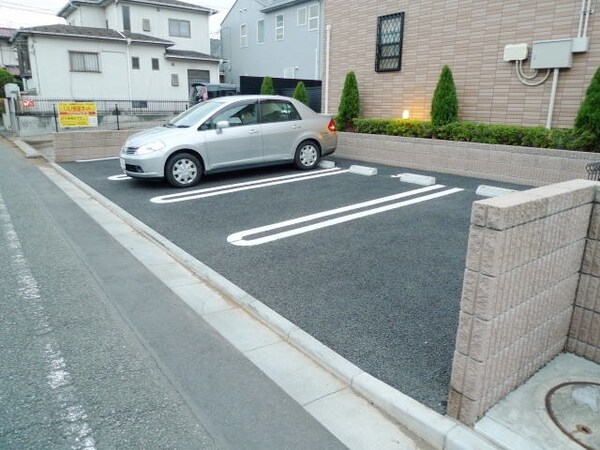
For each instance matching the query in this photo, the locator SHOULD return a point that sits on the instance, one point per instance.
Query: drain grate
(575, 408)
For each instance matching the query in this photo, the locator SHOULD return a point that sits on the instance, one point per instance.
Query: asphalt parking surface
(381, 289)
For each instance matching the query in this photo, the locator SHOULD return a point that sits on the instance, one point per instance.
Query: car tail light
(331, 125)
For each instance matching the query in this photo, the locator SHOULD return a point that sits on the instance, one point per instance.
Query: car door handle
(252, 131)
(296, 127)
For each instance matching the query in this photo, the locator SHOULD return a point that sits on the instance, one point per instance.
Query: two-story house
(119, 49)
(276, 38)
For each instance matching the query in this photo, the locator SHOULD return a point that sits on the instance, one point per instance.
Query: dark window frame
(146, 24)
(135, 62)
(178, 32)
(388, 55)
(155, 64)
(126, 18)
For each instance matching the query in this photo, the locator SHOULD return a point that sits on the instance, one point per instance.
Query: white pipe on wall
(581, 14)
(327, 44)
(552, 98)
(587, 18)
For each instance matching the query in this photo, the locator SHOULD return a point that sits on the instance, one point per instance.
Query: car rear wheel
(307, 155)
(183, 170)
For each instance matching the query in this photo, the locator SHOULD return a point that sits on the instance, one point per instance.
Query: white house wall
(299, 48)
(87, 16)
(159, 25)
(51, 66)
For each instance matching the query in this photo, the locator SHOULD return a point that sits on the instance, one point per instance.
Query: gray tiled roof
(190, 55)
(278, 4)
(91, 33)
(168, 3)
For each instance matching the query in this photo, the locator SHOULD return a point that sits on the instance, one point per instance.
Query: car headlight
(152, 147)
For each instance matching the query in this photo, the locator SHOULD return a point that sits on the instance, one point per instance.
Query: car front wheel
(183, 170)
(307, 155)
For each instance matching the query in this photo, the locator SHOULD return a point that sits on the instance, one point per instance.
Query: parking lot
(369, 265)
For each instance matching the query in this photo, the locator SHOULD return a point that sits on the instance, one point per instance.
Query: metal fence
(111, 114)
(593, 170)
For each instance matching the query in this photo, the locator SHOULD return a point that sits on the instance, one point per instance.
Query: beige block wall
(584, 336)
(469, 36)
(520, 165)
(522, 274)
(75, 145)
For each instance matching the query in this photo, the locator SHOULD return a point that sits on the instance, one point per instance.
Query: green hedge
(394, 127)
(562, 138)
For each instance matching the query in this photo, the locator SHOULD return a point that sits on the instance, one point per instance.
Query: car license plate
(122, 163)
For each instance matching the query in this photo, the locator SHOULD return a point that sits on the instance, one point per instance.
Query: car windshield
(191, 116)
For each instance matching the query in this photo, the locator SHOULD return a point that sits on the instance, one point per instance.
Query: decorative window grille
(279, 27)
(389, 42)
(260, 31)
(84, 62)
(243, 35)
(301, 16)
(313, 17)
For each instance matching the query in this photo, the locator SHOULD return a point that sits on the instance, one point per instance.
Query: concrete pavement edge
(440, 431)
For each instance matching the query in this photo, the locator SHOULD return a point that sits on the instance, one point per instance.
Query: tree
(300, 93)
(267, 87)
(349, 108)
(444, 105)
(588, 116)
(5, 78)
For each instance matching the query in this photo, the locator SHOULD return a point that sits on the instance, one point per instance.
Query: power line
(22, 7)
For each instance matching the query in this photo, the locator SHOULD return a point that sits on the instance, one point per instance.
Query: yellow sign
(77, 114)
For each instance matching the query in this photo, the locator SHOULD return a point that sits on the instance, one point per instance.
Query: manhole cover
(575, 408)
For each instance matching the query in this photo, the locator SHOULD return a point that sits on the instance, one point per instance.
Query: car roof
(235, 98)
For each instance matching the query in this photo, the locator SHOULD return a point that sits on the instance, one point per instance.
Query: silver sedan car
(229, 133)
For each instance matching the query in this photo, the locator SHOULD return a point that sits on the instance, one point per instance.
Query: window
(389, 42)
(139, 104)
(126, 18)
(313, 17)
(174, 79)
(146, 24)
(277, 111)
(84, 62)
(301, 16)
(279, 27)
(260, 31)
(135, 62)
(179, 28)
(236, 115)
(155, 64)
(243, 35)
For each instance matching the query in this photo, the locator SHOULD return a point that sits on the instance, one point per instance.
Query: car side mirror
(222, 124)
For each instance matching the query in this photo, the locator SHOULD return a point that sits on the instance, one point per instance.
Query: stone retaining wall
(520, 165)
(525, 260)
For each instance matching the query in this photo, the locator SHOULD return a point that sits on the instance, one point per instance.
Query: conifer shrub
(300, 93)
(587, 121)
(444, 105)
(267, 87)
(349, 108)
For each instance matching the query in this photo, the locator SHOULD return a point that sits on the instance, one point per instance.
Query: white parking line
(230, 188)
(239, 238)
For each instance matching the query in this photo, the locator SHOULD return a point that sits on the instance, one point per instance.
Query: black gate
(284, 86)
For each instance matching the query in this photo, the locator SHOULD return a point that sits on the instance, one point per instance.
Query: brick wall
(76, 145)
(469, 36)
(520, 165)
(524, 260)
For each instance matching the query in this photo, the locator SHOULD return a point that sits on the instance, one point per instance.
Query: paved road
(97, 353)
(383, 291)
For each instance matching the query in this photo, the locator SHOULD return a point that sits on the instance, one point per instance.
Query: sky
(28, 13)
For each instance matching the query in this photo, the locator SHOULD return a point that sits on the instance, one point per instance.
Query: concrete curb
(27, 149)
(437, 430)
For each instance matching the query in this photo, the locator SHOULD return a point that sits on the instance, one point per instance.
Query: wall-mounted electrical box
(554, 54)
(515, 52)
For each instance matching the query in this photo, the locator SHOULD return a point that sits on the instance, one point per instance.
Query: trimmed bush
(394, 127)
(267, 87)
(349, 108)
(444, 105)
(300, 93)
(540, 137)
(587, 121)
